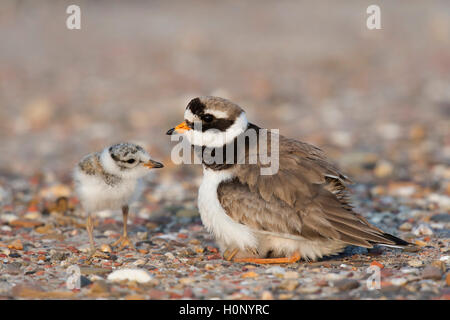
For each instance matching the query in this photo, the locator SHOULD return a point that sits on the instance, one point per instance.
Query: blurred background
(377, 101)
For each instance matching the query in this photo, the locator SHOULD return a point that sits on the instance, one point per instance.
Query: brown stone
(34, 293)
(25, 223)
(431, 272)
(44, 229)
(16, 245)
(346, 284)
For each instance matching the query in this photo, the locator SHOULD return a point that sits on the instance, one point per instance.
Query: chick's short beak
(153, 164)
(182, 127)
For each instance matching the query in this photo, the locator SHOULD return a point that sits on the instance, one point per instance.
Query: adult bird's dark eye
(130, 161)
(208, 118)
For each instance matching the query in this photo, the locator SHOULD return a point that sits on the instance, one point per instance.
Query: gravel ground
(378, 102)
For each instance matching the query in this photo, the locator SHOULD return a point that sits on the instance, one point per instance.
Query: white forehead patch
(189, 116)
(218, 114)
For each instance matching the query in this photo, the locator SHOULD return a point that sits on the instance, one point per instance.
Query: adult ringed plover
(302, 210)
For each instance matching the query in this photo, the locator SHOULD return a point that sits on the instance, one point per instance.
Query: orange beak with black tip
(153, 164)
(182, 127)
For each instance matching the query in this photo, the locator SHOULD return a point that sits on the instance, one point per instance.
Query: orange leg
(292, 259)
(229, 254)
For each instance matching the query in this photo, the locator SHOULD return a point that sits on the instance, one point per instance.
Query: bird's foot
(229, 254)
(124, 241)
(292, 259)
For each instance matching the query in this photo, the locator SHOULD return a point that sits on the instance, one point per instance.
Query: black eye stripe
(219, 124)
(198, 109)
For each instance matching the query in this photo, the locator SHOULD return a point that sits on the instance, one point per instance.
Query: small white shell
(138, 275)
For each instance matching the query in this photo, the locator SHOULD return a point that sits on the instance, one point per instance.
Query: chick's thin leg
(94, 253)
(124, 240)
(90, 230)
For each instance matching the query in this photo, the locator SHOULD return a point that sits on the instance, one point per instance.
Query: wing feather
(306, 198)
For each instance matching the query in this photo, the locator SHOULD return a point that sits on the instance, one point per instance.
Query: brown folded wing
(306, 198)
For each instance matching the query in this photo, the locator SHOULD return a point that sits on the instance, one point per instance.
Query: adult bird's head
(211, 122)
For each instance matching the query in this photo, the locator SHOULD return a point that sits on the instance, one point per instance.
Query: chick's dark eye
(130, 161)
(208, 118)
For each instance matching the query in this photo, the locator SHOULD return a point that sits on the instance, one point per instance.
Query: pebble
(109, 233)
(415, 263)
(16, 245)
(105, 248)
(439, 264)
(142, 235)
(402, 189)
(209, 266)
(405, 226)
(308, 290)
(140, 262)
(44, 229)
(383, 169)
(59, 256)
(99, 288)
(14, 255)
(289, 285)
(442, 217)
(266, 295)
(25, 223)
(420, 243)
(431, 272)
(186, 281)
(33, 215)
(169, 255)
(94, 277)
(6, 228)
(442, 200)
(250, 274)
(346, 284)
(285, 296)
(13, 268)
(333, 276)
(377, 264)
(437, 225)
(85, 248)
(94, 270)
(276, 270)
(290, 275)
(446, 259)
(422, 230)
(398, 281)
(187, 213)
(8, 217)
(137, 275)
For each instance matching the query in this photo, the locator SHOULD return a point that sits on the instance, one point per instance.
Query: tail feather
(398, 243)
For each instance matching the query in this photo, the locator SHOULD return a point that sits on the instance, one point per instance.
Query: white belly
(214, 218)
(96, 195)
